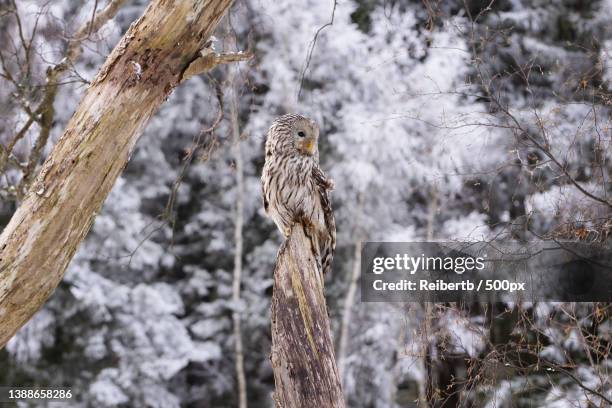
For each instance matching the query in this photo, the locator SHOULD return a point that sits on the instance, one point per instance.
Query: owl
(294, 188)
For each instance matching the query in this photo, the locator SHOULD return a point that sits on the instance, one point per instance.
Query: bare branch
(209, 59)
(311, 48)
(45, 112)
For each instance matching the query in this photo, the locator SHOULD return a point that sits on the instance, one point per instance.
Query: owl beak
(308, 146)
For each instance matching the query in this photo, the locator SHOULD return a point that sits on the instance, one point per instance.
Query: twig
(312, 46)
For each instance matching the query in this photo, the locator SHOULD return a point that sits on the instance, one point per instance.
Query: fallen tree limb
(44, 233)
(303, 361)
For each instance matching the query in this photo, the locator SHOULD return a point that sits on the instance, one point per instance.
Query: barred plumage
(294, 187)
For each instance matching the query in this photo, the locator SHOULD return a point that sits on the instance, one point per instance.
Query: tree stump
(305, 371)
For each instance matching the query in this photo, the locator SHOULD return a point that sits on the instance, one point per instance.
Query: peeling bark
(59, 209)
(303, 361)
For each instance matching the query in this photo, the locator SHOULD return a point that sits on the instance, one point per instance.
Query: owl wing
(265, 185)
(266, 204)
(325, 185)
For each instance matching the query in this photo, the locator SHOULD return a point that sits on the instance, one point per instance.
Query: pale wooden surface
(58, 211)
(303, 359)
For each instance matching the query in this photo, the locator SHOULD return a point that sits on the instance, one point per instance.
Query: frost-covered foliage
(430, 127)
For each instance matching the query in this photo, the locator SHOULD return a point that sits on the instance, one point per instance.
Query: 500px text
(441, 285)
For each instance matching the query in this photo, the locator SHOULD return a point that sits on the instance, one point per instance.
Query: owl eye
(301, 133)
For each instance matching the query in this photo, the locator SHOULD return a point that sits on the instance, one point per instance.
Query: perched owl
(295, 189)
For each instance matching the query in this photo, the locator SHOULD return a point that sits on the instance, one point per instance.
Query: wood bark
(303, 361)
(59, 209)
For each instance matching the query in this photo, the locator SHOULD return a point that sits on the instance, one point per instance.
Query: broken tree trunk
(59, 209)
(303, 361)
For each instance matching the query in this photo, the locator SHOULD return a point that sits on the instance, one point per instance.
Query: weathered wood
(303, 361)
(58, 211)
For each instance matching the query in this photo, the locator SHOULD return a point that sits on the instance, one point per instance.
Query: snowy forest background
(440, 120)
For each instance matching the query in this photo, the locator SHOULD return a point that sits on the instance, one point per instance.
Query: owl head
(293, 134)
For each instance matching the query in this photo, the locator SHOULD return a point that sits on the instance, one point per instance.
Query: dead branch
(59, 209)
(303, 361)
(209, 59)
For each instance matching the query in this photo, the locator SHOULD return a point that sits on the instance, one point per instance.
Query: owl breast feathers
(295, 189)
